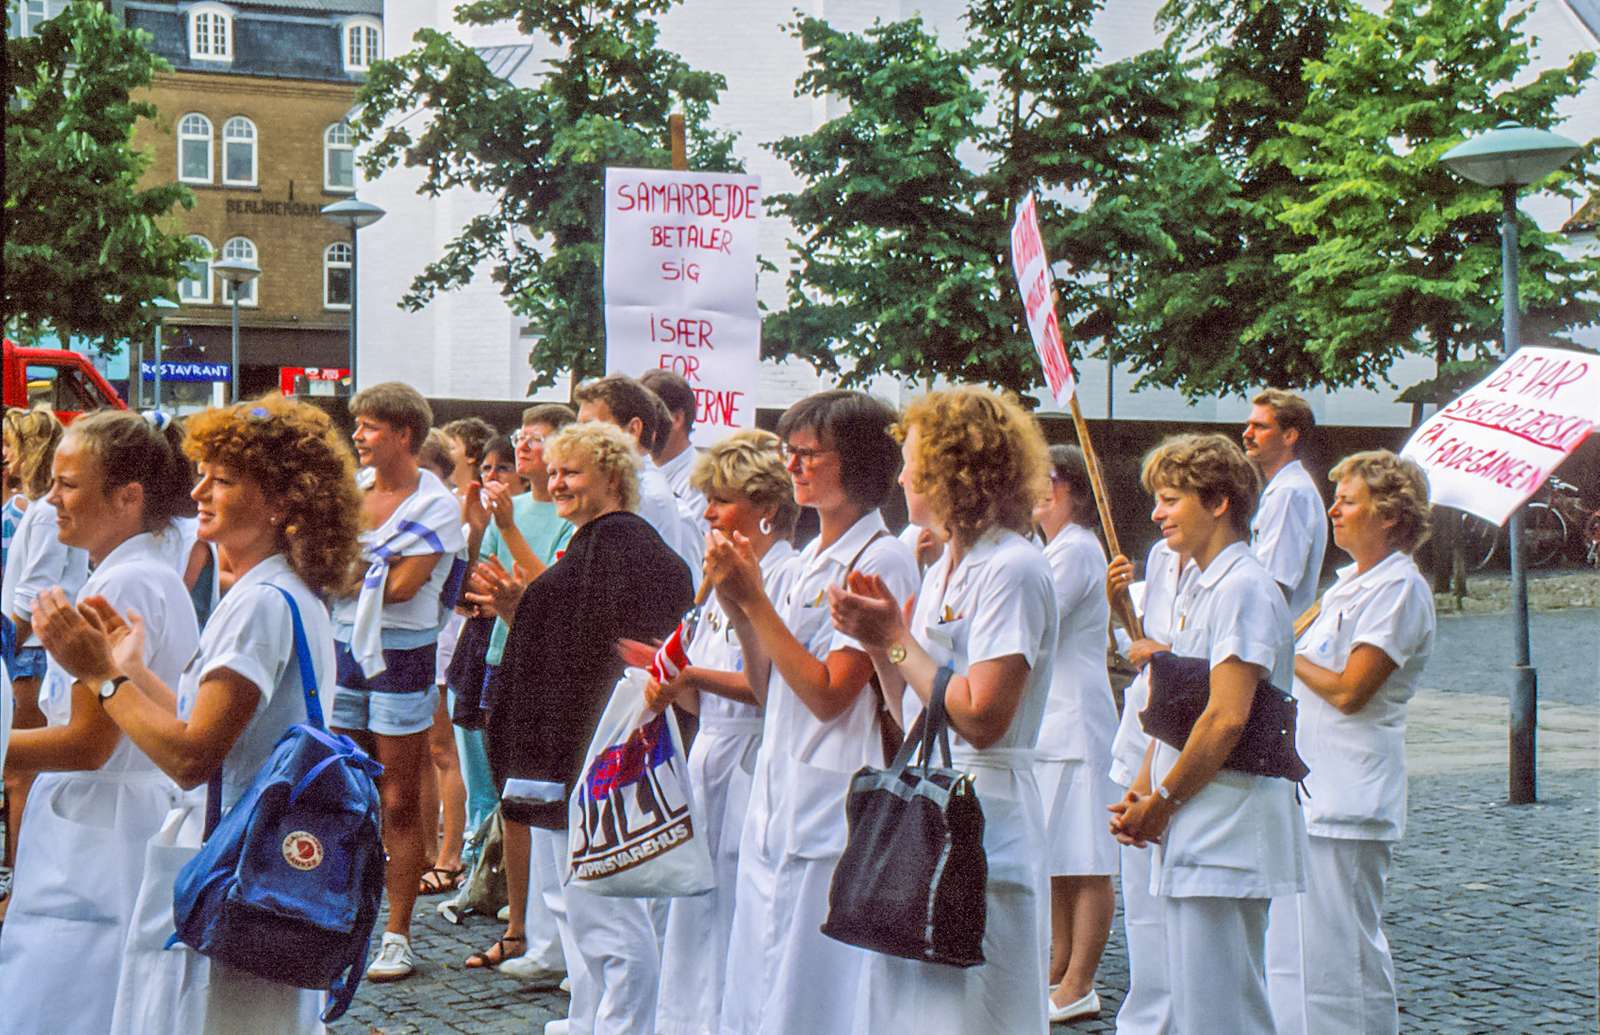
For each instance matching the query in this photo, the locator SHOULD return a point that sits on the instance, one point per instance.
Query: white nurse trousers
(1147, 1009)
(1340, 981)
(1216, 957)
(547, 849)
(612, 958)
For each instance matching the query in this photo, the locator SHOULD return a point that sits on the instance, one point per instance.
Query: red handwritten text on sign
(1032, 268)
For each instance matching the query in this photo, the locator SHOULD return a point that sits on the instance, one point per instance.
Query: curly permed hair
(981, 460)
(1399, 489)
(293, 453)
(33, 436)
(608, 448)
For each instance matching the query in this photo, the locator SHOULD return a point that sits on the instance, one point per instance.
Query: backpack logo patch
(302, 850)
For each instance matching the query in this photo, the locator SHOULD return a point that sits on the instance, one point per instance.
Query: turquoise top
(547, 536)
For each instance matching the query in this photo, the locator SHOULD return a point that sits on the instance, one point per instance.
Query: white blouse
(717, 648)
(1163, 582)
(1240, 836)
(1080, 718)
(251, 634)
(36, 560)
(1358, 762)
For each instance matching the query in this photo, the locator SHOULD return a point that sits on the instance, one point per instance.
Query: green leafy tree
(86, 249)
(539, 151)
(1213, 310)
(1403, 255)
(902, 263)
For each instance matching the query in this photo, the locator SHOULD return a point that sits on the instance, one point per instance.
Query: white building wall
(467, 344)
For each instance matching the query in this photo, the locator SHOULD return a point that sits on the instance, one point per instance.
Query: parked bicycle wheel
(1479, 540)
(1544, 535)
(1591, 539)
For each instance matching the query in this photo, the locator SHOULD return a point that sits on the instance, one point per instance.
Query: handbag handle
(308, 686)
(933, 724)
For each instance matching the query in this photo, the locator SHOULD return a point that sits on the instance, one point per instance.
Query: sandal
(437, 880)
(495, 954)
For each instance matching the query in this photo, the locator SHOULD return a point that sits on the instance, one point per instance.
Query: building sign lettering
(253, 207)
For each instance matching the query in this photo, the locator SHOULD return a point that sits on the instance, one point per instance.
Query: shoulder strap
(888, 729)
(308, 685)
(879, 534)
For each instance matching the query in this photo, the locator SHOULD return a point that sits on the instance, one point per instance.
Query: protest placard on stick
(1032, 267)
(1492, 447)
(680, 287)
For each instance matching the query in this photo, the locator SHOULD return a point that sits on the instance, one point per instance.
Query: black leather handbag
(1180, 688)
(912, 877)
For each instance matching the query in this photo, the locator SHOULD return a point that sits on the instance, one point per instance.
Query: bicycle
(1547, 521)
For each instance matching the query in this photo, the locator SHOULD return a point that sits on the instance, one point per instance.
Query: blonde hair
(748, 465)
(1212, 467)
(981, 460)
(1399, 489)
(610, 449)
(293, 453)
(33, 436)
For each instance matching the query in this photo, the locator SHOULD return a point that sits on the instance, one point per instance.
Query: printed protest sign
(680, 287)
(1038, 301)
(1492, 448)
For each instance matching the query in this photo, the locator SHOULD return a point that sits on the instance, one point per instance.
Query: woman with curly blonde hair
(983, 632)
(277, 496)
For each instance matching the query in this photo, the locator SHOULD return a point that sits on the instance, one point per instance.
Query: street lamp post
(159, 303)
(355, 214)
(1510, 157)
(236, 273)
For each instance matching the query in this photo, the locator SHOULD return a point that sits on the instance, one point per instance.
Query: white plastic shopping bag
(632, 823)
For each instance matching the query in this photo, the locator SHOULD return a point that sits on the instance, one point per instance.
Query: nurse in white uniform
(1225, 842)
(1289, 533)
(1147, 1008)
(975, 466)
(99, 797)
(1080, 721)
(747, 493)
(1358, 665)
(278, 497)
(821, 720)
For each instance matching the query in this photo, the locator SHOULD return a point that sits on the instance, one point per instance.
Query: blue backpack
(288, 886)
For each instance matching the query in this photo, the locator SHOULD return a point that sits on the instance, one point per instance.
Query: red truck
(64, 381)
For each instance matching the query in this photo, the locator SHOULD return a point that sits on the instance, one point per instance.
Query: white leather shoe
(526, 969)
(395, 959)
(557, 1027)
(1088, 1006)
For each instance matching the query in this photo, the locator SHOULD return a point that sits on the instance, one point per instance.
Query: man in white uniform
(673, 455)
(623, 401)
(1289, 533)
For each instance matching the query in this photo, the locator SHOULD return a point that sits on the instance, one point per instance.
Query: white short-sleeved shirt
(251, 634)
(1289, 533)
(659, 506)
(1163, 581)
(849, 740)
(7, 704)
(716, 647)
(133, 576)
(436, 507)
(37, 560)
(177, 542)
(1080, 719)
(1241, 836)
(679, 472)
(998, 601)
(1358, 762)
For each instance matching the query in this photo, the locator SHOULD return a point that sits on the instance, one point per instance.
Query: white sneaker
(504, 914)
(557, 1027)
(395, 959)
(566, 985)
(1088, 1006)
(526, 969)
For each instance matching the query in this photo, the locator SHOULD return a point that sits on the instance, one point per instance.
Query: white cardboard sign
(1032, 267)
(1491, 449)
(680, 287)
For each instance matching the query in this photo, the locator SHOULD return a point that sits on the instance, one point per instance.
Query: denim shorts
(399, 702)
(26, 663)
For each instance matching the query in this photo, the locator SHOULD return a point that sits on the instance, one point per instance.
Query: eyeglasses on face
(807, 457)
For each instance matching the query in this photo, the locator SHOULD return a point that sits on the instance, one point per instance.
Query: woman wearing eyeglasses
(821, 717)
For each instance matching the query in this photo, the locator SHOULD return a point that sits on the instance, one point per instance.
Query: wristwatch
(109, 687)
(897, 654)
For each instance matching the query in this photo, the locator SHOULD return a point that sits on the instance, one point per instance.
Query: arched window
(194, 148)
(244, 250)
(336, 276)
(211, 33)
(239, 152)
(363, 44)
(338, 158)
(195, 287)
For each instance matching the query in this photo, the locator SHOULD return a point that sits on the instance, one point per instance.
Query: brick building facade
(252, 121)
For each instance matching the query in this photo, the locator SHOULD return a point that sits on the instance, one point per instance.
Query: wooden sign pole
(680, 147)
